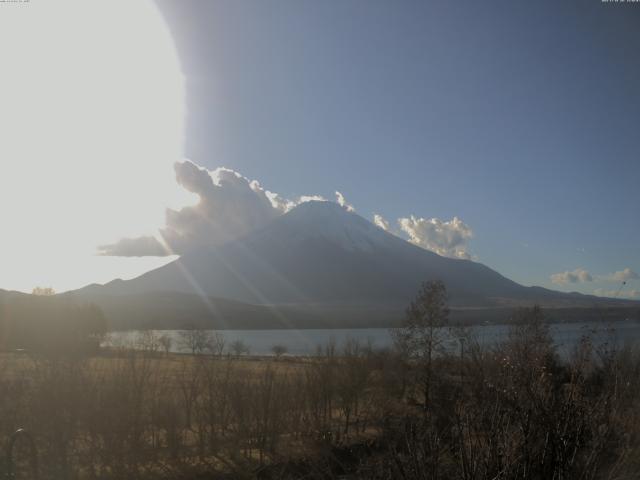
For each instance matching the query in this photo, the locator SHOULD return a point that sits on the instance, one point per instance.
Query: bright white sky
(91, 122)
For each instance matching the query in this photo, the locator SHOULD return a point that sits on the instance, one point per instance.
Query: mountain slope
(320, 254)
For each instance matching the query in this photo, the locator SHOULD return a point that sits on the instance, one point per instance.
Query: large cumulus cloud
(229, 206)
(579, 275)
(446, 238)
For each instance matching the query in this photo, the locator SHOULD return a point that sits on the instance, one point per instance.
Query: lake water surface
(305, 342)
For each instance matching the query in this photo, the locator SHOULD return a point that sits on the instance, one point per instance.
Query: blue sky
(519, 118)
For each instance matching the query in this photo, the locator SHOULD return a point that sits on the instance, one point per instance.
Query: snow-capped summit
(328, 221)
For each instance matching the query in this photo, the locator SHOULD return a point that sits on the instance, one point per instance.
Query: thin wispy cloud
(380, 221)
(621, 276)
(580, 275)
(631, 294)
(343, 202)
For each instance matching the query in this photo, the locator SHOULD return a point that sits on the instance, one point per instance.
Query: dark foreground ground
(513, 410)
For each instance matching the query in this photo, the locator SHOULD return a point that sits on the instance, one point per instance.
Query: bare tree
(148, 342)
(195, 340)
(238, 347)
(165, 342)
(216, 343)
(422, 335)
(279, 350)
(351, 380)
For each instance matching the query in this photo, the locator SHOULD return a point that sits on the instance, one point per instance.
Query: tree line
(515, 409)
(44, 323)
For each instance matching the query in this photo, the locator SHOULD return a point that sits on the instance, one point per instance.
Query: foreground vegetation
(422, 410)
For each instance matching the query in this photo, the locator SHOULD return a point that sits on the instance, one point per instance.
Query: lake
(305, 342)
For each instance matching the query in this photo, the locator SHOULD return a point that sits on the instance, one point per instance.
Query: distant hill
(316, 265)
(172, 310)
(7, 294)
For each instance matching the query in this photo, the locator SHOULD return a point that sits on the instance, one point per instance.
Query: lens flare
(91, 122)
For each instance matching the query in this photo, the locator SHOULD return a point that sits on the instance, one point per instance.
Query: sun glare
(91, 121)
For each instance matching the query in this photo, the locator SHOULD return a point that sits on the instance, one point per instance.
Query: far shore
(459, 316)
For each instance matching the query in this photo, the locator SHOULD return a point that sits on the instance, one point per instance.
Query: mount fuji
(317, 265)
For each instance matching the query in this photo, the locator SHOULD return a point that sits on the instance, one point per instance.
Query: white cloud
(579, 275)
(343, 203)
(621, 276)
(380, 221)
(229, 206)
(632, 294)
(310, 198)
(136, 247)
(446, 238)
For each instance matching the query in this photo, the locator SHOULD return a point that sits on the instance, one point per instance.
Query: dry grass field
(512, 410)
